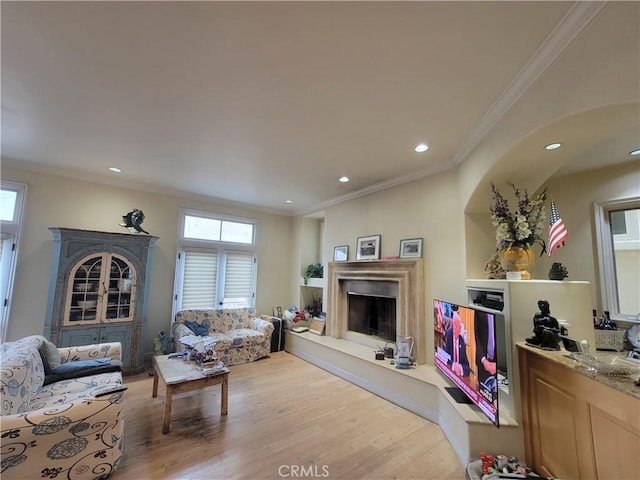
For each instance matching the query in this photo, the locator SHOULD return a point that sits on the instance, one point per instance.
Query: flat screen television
(465, 351)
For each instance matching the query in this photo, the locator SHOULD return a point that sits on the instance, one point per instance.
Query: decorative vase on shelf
(518, 258)
(558, 272)
(518, 229)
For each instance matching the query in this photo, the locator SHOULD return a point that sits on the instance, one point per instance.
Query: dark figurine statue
(133, 221)
(545, 328)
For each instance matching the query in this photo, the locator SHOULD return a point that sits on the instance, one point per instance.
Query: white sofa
(58, 430)
(240, 335)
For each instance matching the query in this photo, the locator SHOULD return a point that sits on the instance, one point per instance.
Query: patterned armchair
(58, 430)
(241, 337)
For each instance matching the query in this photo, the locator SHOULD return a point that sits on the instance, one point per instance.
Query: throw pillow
(79, 365)
(50, 356)
(77, 371)
(196, 328)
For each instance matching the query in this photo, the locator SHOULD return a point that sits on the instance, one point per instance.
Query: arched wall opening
(589, 139)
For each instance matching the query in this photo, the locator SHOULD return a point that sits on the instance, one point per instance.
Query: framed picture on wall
(368, 248)
(341, 253)
(411, 248)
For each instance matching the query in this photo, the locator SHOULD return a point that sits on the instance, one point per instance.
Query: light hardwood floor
(287, 419)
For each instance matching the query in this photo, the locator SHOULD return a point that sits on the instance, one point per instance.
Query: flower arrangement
(522, 227)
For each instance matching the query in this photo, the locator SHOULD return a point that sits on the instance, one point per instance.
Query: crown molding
(377, 187)
(571, 25)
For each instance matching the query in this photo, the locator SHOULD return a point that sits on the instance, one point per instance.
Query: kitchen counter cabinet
(577, 423)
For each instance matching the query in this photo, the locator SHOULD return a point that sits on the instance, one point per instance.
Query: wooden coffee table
(179, 377)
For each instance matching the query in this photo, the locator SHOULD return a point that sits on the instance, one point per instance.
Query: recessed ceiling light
(423, 147)
(344, 179)
(288, 201)
(553, 146)
(635, 152)
(115, 169)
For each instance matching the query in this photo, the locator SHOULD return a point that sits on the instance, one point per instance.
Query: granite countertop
(622, 383)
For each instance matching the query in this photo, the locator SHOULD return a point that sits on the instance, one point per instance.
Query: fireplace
(395, 287)
(372, 315)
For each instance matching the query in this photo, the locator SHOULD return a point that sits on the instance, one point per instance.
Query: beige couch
(58, 430)
(240, 335)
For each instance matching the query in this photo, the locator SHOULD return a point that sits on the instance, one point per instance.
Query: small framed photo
(341, 253)
(411, 248)
(277, 312)
(368, 248)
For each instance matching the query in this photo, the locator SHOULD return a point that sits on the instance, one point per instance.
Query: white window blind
(216, 262)
(238, 279)
(199, 279)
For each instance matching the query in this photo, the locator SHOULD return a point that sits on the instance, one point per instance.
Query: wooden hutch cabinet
(98, 291)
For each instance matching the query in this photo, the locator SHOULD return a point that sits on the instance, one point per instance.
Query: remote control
(106, 390)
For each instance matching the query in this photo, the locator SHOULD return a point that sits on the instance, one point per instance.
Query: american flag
(557, 231)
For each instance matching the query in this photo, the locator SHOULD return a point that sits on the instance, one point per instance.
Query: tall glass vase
(518, 258)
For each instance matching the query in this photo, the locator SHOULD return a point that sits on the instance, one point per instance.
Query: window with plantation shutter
(216, 265)
(199, 279)
(238, 279)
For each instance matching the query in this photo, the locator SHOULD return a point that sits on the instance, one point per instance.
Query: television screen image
(465, 352)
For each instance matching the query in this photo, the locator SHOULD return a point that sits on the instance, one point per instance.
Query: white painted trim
(378, 187)
(15, 229)
(606, 273)
(576, 20)
(573, 23)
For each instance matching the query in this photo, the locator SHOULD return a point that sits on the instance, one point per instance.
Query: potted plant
(314, 270)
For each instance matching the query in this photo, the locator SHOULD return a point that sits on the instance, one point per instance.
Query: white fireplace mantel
(410, 302)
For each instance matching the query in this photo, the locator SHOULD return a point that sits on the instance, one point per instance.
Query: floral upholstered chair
(58, 429)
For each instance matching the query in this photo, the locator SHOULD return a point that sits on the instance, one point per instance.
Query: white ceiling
(261, 102)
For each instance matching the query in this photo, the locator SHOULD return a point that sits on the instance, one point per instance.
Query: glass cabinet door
(84, 294)
(101, 289)
(120, 290)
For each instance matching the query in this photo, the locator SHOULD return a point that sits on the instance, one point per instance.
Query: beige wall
(456, 244)
(627, 265)
(65, 202)
(427, 208)
(306, 244)
(574, 196)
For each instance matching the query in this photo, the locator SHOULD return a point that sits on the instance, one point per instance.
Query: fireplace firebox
(372, 315)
